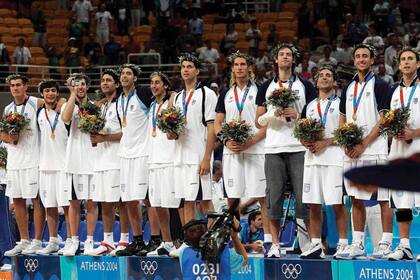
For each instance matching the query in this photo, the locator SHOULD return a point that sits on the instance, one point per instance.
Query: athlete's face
(50, 95)
(258, 221)
(156, 85)
(127, 78)
(362, 59)
(240, 68)
(325, 80)
(17, 88)
(408, 63)
(81, 89)
(188, 70)
(108, 85)
(284, 58)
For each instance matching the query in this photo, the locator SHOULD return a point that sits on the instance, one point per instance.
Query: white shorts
(22, 183)
(381, 195)
(404, 199)
(106, 185)
(81, 184)
(244, 175)
(161, 188)
(322, 184)
(51, 190)
(190, 185)
(134, 178)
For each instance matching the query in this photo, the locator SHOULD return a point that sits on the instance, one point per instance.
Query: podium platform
(288, 268)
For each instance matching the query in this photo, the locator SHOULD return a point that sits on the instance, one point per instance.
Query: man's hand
(356, 151)
(246, 145)
(10, 138)
(407, 135)
(234, 146)
(308, 145)
(204, 167)
(172, 135)
(289, 112)
(257, 246)
(319, 146)
(97, 138)
(71, 88)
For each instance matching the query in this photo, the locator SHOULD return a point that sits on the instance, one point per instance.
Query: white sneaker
(121, 246)
(20, 246)
(51, 248)
(72, 250)
(36, 245)
(314, 252)
(401, 253)
(103, 249)
(67, 245)
(353, 251)
(418, 257)
(274, 251)
(164, 249)
(6, 267)
(382, 251)
(88, 247)
(339, 250)
(175, 253)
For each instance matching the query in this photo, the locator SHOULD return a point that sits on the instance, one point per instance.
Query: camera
(74, 82)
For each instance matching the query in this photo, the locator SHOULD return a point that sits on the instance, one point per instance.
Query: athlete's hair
(329, 68)
(163, 77)
(372, 49)
(249, 61)
(191, 58)
(48, 84)
(295, 55)
(17, 77)
(81, 76)
(136, 70)
(113, 74)
(409, 49)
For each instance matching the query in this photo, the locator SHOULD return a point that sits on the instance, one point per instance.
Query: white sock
(359, 237)
(75, 238)
(124, 237)
(343, 241)
(109, 238)
(53, 240)
(89, 238)
(405, 242)
(24, 240)
(316, 240)
(268, 238)
(36, 240)
(387, 237)
(169, 243)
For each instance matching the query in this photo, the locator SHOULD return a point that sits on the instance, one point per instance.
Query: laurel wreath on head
(189, 57)
(15, 76)
(329, 68)
(234, 55)
(132, 66)
(295, 50)
(45, 81)
(371, 48)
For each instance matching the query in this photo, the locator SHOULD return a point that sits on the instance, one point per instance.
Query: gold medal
(52, 135)
(154, 133)
(354, 117)
(124, 122)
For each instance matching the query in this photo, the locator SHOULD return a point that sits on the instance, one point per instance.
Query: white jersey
(401, 148)
(332, 155)
(161, 149)
(52, 148)
(107, 152)
(375, 98)
(227, 104)
(134, 141)
(79, 152)
(279, 137)
(191, 144)
(25, 154)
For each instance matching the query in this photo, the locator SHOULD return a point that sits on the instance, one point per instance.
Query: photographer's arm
(237, 245)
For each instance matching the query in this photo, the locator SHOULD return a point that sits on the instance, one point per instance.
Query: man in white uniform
(22, 165)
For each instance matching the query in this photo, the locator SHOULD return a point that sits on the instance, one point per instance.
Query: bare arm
(204, 167)
(67, 114)
(220, 118)
(261, 110)
(99, 138)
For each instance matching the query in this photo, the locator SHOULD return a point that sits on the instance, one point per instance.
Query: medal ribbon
(410, 97)
(155, 114)
(22, 110)
(124, 110)
(54, 125)
(289, 87)
(358, 97)
(186, 100)
(241, 105)
(323, 117)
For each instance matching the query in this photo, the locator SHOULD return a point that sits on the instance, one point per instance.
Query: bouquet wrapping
(308, 130)
(91, 121)
(282, 98)
(12, 124)
(348, 135)
(171, 120)
(394, 123)
(235, 130)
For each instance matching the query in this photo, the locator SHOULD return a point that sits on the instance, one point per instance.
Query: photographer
(252, 234)
(190, 259)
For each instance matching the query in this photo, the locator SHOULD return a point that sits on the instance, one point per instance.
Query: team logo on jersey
(26, 114)
(306, 187)
(193, 102)
(250, 98)
(350, 97)
(415, 100)
(331, 110)
(230, 183)
(132, 108)
(230, 100)
(368, 93)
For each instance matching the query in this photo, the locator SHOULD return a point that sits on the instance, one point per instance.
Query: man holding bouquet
(243, 162)
(194, 146)
(79, 165)
(406, 95)
(362, 103)
(322, 178)
(284, 154)
(22, 164)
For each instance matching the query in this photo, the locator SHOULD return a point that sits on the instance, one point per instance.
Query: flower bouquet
(3, 157)
(171, 120)
(12, 124)
(91, 121)
(348, 135)
(394, 123)
(282, 98)
(235, 130)
(308, 130)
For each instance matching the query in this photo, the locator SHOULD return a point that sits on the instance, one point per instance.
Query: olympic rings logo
(149, 267)
(30, 264)
(291, 271)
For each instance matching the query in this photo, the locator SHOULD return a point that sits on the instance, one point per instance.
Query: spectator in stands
(97, 58)
(72, 55)
(22, 56)
(262, 62)
(39, 24)
(381, 60)
(373, 38)
(215, 87)
(183, 39)
(90, 46)
(394, 17)
(112, 51)
(62, 4)
(122, 21)
(305, 73)
(76, 31)
(254, 36)
(208, 53)
(411, 20)
(132, 46)
(103, 22)
(150, 59)
(252, 233)
(327, 59)
(260, 76)
(82, 10)
(135, 12)
(54, 60)
(391, 51)
(272, 37)
(355, 29)
(196, 27)
(229, 39)
(412, 37)
(305, 13)
(381, 11)
(4, 61)
(384, 76)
